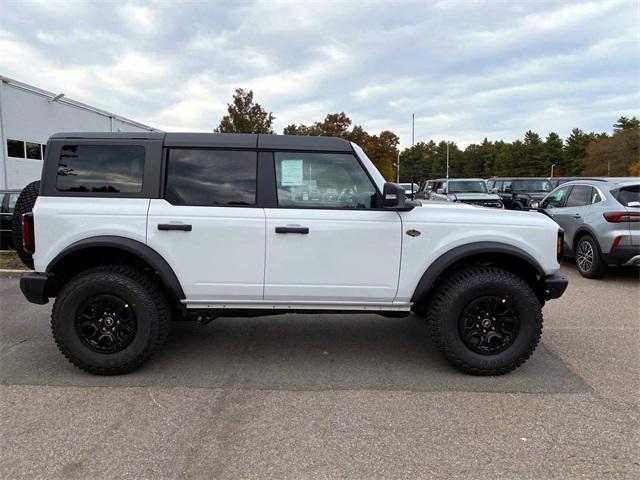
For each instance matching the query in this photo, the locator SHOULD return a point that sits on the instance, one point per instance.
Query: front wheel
(110, 319)
(485, 320)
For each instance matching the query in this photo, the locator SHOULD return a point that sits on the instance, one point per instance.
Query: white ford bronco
(129, 231)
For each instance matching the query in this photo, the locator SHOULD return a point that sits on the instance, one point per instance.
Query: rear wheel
(485, 320)
(25, 203)
(588, 258)
(110, 319)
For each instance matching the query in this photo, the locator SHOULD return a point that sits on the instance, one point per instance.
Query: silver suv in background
(601, 222)
(466, 190)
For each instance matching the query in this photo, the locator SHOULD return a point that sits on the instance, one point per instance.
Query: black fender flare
(144, 252)
(463, 251)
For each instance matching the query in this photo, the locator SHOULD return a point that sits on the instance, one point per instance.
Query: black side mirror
(393, 197)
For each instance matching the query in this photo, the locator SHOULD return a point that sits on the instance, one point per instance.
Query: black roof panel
(220, 140)
(108, 135)
(295, 142)
(223, 140)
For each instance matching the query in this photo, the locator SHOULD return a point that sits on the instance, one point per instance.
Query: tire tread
(458, 280)
(161, 326)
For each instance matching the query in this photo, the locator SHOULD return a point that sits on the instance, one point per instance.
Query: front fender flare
(463, 251)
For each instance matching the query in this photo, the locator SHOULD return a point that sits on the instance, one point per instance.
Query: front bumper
(34, 286)
(554, 285)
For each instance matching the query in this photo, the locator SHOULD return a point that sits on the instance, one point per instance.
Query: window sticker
(292, 173)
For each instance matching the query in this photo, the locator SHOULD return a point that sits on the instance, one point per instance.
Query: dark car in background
(8, 201)
(518, 193)
(601, 222)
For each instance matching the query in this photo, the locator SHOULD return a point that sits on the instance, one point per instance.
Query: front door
(208, 227)
(327, 242)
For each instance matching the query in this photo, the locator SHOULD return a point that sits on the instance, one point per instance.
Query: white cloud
(466, 69)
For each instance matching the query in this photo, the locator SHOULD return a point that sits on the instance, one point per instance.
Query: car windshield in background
(532, 185)
(468, 187)
(628, 196)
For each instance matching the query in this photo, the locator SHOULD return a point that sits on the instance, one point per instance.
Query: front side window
(580, 196)
(556, 199)
(15, 148)
(213, 178)
(322, 180)
(100, 168)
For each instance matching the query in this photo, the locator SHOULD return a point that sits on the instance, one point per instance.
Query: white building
(29, 115)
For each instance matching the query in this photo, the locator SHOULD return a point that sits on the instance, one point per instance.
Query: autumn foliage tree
(245, 115)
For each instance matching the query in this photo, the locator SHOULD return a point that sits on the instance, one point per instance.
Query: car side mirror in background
(393, 197)
(535, 205)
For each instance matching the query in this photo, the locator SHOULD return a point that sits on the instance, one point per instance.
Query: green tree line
(581, 153)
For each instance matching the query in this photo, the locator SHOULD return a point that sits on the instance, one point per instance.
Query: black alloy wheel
(488, 325)
(106, 323)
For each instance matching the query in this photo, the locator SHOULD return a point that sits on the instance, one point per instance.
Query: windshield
(474, 186)
(532, 185)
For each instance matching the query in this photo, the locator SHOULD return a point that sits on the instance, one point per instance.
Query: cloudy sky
(467, 69)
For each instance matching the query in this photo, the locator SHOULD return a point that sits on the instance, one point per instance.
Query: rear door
(575, 210)
(208, 226)
(326, 241)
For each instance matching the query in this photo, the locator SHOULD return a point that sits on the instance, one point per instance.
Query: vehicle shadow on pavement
(294, 352)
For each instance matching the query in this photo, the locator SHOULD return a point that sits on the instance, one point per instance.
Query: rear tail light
(28, 240)
(618, 217)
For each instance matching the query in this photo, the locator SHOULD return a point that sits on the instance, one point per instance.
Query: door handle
(577, 215)
(174, 226)
(303, 230)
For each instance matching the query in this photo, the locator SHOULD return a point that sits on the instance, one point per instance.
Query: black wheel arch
(506, 256)
(110, 249)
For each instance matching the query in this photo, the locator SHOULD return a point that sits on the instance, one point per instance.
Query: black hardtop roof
(221, 140)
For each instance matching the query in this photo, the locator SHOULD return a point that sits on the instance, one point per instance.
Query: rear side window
(628, 196)
(100, 168)
(213, 178)
(580, 196)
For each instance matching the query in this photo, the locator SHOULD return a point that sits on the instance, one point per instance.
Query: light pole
(398, 168)
(552, 165)
(447, 160)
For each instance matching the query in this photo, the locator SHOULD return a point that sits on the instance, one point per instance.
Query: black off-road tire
(25, 203)
(459, 290)
(144, 295)
(597, 268)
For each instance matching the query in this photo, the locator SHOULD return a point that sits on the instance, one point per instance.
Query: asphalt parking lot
(329, 397)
